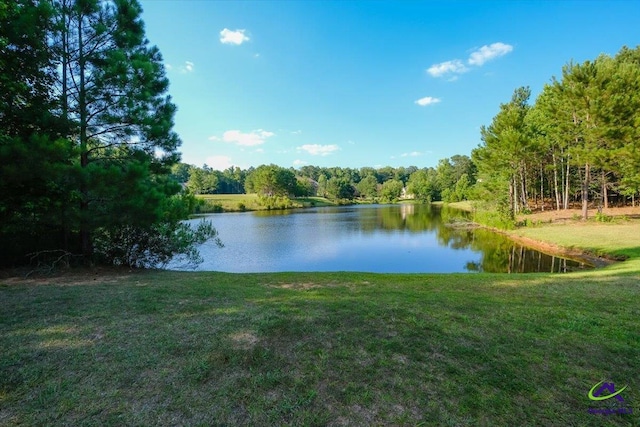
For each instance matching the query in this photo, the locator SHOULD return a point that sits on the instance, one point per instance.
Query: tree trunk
(605, 196)
(523, 190)
(512, 202)
(566, 187)
(585, 193)
(85, 231)
(555, 182)
(541, 187)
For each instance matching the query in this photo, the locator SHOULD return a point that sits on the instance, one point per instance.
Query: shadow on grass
(319, 349)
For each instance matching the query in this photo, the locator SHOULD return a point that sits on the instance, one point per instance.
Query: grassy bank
(213, 203)
(167, 348)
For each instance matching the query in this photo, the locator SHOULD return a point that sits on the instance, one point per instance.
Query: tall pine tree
(112, 87)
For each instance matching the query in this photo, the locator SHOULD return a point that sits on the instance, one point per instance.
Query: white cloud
(219, 162)
(427, 100)
(412, 154)
(187, 67)
(253, 138)
(236, 37)
(299, 162)
(476, 59)
(168, 67)
(487, 53)
(454, 66)
(319, 150)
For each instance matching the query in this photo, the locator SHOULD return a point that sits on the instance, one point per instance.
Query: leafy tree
(181, 172)
(423, 185)
(385, 174)
(202, 181)
(340, 188)
(391, 190)
(368, 187)
(271, 180)
(322, 186)
(502, 159)
(459, 192)
(232, 180)
(304, 187)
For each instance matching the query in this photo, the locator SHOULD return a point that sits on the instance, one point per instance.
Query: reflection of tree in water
(410, 217)
(499, 253)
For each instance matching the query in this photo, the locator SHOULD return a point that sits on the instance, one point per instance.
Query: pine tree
(113, 89)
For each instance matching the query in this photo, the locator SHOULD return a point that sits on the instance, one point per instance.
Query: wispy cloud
(477, 58)
(319, 150)
(299, 162)
(412, 154)
(187, 67)
(455, 66)
(489, 52)
(250, 139)
(427, 100)
(236, 37)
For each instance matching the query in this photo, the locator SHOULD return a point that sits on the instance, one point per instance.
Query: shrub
(601, 217)
(153, 246)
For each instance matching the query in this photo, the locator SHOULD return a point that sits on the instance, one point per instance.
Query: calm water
(387, 238)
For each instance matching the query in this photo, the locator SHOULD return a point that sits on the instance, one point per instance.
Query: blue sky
(363, 83)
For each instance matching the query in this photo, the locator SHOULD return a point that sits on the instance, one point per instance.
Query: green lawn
(250, 202)
(168, 348)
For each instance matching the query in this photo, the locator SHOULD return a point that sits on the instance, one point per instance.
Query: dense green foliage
(385, 184)
(86, 134)
(578, 142)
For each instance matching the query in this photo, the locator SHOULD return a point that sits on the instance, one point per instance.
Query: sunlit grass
(250, 202)
(619, 238)
(168, 348)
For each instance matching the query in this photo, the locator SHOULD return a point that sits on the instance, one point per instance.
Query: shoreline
(554, 249)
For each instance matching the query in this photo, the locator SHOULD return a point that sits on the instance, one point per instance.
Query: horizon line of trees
(451, 180)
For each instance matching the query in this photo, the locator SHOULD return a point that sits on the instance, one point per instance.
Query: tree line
(86, 137)
(579, 142)
(451, 180)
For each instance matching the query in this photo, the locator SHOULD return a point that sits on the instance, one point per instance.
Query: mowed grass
(169, 348)
(620, 238)
(250, 202)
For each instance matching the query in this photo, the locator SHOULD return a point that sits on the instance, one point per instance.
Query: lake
(403, 238)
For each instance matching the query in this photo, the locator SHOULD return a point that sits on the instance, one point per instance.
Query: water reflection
(388, 238)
